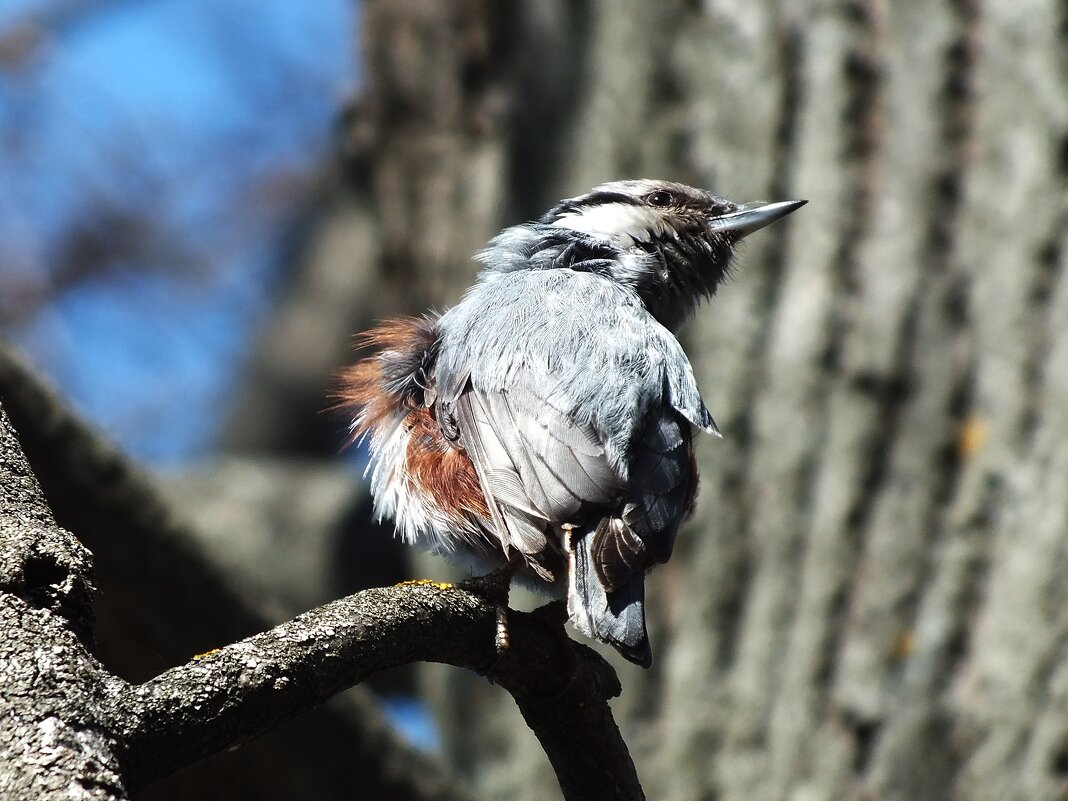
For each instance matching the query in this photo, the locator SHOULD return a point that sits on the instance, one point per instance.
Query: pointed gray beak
(754, 216)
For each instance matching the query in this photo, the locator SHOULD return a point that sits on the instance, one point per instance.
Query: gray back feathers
(580, 343)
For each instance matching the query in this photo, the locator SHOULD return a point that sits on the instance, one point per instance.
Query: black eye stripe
(605, 198)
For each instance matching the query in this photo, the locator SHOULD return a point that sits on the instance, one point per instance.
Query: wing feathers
(645, 532)
(517, 524)
(541, 459)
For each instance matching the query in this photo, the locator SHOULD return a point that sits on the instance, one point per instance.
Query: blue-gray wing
(663, 482)
(539, 464)
(606, 593)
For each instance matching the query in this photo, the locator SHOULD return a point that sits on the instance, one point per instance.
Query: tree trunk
(867, 603)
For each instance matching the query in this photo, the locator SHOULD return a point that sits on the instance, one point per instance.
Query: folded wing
(537, 464)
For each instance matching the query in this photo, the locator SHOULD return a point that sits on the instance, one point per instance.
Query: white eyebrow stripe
(614, 220)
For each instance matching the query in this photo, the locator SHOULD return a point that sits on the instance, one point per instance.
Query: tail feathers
(616, 618)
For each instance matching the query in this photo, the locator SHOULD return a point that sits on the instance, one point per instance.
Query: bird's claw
(501, 639)
(494, 585)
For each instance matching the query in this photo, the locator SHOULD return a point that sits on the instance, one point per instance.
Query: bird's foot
(494, 587)
(501, 637)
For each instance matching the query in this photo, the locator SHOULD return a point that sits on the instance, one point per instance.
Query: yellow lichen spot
(904, 644)
(441, 585)
(206, 654)
(972, 436)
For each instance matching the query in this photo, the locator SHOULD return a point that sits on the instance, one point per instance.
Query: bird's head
(672, 244)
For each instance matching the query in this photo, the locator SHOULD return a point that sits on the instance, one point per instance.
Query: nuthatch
(545, 422)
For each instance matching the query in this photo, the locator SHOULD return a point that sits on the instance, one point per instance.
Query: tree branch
(164, 599)
(142, 733)
(240, 691)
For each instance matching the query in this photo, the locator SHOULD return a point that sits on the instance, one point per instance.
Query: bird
(544, 425)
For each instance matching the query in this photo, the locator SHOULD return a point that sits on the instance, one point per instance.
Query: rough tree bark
(72, 729)
(164, 595)
(869, 601)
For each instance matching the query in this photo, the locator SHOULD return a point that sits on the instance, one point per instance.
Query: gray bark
(52, 742)
(72, 729)
(867, 603)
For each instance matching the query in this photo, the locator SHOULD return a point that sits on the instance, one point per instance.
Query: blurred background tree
(202, 201)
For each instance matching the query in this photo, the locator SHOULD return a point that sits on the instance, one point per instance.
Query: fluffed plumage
(550, 413)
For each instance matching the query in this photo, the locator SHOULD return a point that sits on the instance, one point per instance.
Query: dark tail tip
(640, 654)
(617, 619)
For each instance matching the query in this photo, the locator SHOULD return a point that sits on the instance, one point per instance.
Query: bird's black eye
(660, 198)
